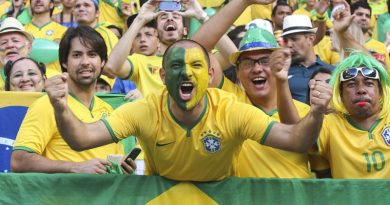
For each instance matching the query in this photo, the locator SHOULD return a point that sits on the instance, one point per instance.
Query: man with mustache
(355, 139)
(187, 130)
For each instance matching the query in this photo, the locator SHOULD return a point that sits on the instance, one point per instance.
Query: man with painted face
(187, 130)
(144, 70)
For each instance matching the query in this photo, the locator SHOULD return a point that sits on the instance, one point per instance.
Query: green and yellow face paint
(187, 76)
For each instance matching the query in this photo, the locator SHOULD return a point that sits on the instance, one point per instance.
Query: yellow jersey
(204, 151)
(39, 134)
(256, 160)
(354, 152)
(50, 31)
(145, 72)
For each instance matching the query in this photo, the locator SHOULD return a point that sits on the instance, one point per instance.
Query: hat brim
(313, 30)
(25, 33)
(234, 56)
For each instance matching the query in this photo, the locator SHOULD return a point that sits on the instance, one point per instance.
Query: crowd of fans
(306, 82)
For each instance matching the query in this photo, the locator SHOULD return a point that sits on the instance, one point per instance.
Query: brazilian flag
(13, 107)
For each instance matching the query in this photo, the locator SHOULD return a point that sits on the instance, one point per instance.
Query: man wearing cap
(299, 36)
(39, 147)
(265, 89)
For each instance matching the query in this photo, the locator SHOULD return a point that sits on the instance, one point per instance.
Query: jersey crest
(49, 32)
(211, 143)
(386, 135)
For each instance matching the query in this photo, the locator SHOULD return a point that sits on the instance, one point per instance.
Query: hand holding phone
(133, 154)
(167, 5)
(129, 167)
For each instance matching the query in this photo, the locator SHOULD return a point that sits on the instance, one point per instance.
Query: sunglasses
(351, 73)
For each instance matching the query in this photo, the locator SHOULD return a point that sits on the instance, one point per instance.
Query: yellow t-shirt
(205, 151)
(211, 3)
(261, 11)
(4, 6)
(324, 50)
(256, 160)
(109, 37)
(110, 12)
(354, 152)
(145, 72)
(50, 31)
(380, 48)
(39, 134)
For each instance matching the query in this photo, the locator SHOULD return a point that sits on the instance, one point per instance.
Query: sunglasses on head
(351, 73)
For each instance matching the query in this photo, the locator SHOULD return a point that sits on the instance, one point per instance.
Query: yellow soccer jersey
(51, 31)
(2, 79)
(354, 152)
(205, 151)
(324, 50)
(109, 37)
(261, 11)
(211, 3)
(109, 12)
(380, 49)
(39, 134)
(256, 160)
(145, 72)
(4, 6)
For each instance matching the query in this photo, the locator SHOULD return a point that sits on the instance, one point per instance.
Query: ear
(162, 75)
(185, 31)
(29, 46)
(97, 14)
(64, 66)
(211, 75)
(102, 64)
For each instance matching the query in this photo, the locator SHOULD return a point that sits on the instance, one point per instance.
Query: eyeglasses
(250, 63)
(351, 73)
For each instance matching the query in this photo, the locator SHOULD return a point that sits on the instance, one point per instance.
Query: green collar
(181, 124)
(355, 125)
(90, 106)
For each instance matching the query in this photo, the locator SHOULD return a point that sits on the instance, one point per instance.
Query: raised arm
(301, 136)
(280, 61)
(79, 135)
(217, 25)
(117, 62)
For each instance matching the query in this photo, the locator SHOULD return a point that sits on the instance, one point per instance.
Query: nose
(143, 38)
(84, 60)
(25, 78)
(257, 67)
(361, 89)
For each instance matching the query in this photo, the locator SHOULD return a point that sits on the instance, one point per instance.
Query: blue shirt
(123, 86)
(299, 77)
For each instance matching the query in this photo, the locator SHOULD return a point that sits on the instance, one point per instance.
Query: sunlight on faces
(83, 65)
(361, 90)
(26, 76)
(257, 79)
(13, 46)
(187, 76)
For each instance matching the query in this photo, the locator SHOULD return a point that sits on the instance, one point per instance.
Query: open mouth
(186, 90)
(85, 72)
(170, 27)
(259, 81)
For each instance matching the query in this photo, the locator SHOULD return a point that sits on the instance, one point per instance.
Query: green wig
(360, 59)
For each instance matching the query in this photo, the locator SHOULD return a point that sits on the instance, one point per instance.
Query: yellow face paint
(187, 76)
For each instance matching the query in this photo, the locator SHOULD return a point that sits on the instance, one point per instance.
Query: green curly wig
(360, 59)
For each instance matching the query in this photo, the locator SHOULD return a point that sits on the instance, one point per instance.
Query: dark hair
(280, 3)
(174, 45)
(88, 38)
(117, 28)
(150, 24)
(9, 65)
(319, 70)
(233, 34)
(363, 4)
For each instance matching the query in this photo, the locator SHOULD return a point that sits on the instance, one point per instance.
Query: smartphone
(170, 6)
(133, 154)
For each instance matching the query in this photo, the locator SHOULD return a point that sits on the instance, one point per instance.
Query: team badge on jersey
(386, 135)
(49, 32)
(211, 143)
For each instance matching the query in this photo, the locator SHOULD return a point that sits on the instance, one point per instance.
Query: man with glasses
(356, 139)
